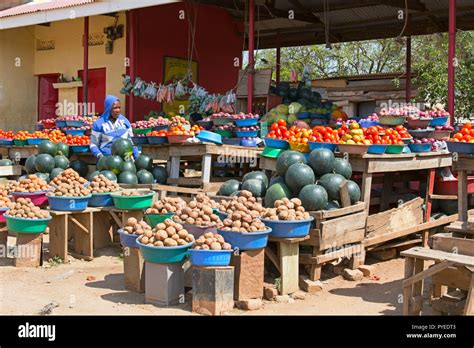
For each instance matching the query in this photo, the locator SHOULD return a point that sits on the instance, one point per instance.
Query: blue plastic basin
(304, 114)
(246, 134)
(246, 241)
(79, 148)
(7, 142)
(74, 123)
(460, 147)
(366, 123)
(277, 143)
(246, 122)
(68, 203)
(289, 229)
(75, 131)
(140, 140)
(221, 215)
(420, 147)
(161, 127)
(210, 137)
(101, 200)
(438, 121)
(248, 143)
(231, 141)
(60, 124)
(156, 254)
(127, 239)
(157, 140)
(313, 145)
(210, 257)
(377, 149)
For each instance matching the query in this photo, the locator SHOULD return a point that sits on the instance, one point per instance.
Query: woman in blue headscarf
(110, 126)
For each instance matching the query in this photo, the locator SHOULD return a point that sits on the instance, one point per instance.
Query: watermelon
(275, 192)
(61, 161)
(235, 193)
(30, 164)
(128, 178)
(229, 187)
(256, 186)
(343, 167)
(23, 177)
(80, 167)
(449, 207)
(332, 205)
(93, 175)
(298, 176)
(114, 164)
(123, 148)
(55, 172)
(276, 180)
(354, 191)
(128, 166)
(160, 174)
(109, 175)
(44, 176)
(44, 163)
(322, 161)
(332, 183)
(145, 177)
(144, 162)
(286, 159)
(101, 163)
(256, 175)
(5, 162)
(63, 149)
(313, 197)
(48, 147)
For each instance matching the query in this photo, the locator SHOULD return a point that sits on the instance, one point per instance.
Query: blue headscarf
(108, 103)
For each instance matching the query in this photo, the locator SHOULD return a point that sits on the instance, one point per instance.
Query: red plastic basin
(37, 198)
(451, 187)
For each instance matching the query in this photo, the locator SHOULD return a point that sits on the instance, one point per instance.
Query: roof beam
(412, 5)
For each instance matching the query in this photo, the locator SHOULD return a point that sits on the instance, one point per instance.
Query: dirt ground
(104, 293)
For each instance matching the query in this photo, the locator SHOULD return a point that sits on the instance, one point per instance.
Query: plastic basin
(79, 148)
(246, 241)
(75, 131)
(20, 142)
(198, 231)
(127, 239)
(161, 127)
(441, 135)
(155, 219)
(210, 257)
(246, 122)
(74, 123)
(61, 124)
(300, 147)
(2, 212)
(231, 141)
(353, 149)
(35, 141)
(271, 152)
(26, 225)
(407, 140)
(205, 124)
(7, 142)
(421, 133)
(246, 134)
(438, 121)
(68, 203)
(419, 123)
(289, 229)
(133, 202)
(210, 137)
(304, 114)
(277, 143)
(394, 149)
(140, 140)
(450, 187)
(221, 214)
(318, 116)
(156, 254)
(101, 200)
(420, 147)
(366, 123)
(142, 130)
(460, 147)
(157, 140)
(377, 149)
(319, 122)
(248, 143)
(390, 120)
(313, 145)
(37, 198)
(177, 139)
(224, 133)
(220, 121)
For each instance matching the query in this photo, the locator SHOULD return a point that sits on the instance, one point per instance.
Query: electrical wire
(406, 20)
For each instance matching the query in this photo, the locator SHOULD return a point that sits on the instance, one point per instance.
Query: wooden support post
(206, 168)
(164, 283)
(407, 290)
(418, 288)
(174, 167)
(344, 195)
(58, 236)
(315, 270)
(28, 251)
(248, 279)
(469, 307)
(357, 259)
(213, 290)
(133, 269)
(3, 241)
(82, 226)
(386, 191)
(462, 196)
(103, 232)
(366, 189)
(289, 261)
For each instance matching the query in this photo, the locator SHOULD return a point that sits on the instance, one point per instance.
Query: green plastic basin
(394, 149)
(157, 254)
(271, 152)
(24, 225)
(133, 202)
(155, 219)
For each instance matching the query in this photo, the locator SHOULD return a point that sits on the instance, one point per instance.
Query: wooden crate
(336, 233)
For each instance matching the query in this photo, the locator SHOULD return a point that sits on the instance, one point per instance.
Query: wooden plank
(307, 259)
(344, 195)
(453, 277)
(326, 214)
(446, 242)
(421, 274)
(268, 163)
(469, 306)
(78, 224)
(382, 165)
(462, 194)
(185, 181)
(437, 255)
(397, 244)
(341, 234)
(289, 254)
(273, 258)
(408, 290)
(83, 229)
(10, 170)
(58, 236)
(158, 187)
(366, 189)
(397, 219)
(460, 227)
(103, 232)
(288, 240)
(185, 151)
(443, 197)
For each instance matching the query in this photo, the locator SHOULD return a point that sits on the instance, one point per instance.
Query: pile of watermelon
(255, 182)
(315, 182)
(52, 160)
(121, 168)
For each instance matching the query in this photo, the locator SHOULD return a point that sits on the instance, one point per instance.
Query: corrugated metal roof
(41, 6)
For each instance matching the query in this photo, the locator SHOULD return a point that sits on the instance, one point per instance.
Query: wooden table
(17, 153)
(204, 152)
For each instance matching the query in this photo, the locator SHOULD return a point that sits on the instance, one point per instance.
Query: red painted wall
(160, 32)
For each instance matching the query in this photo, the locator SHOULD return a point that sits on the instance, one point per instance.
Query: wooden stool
(287, 262)
(213, 290)
(446, 271)
(248, 274)
(29, 247)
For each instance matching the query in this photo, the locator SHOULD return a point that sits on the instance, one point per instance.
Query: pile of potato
(243, 222)
(101, 184)
(68, 176)
(166, 234)
(206, 200)
(198, 214)
(211, 241)
(4, 200)
(244, 203)
(134, 226)
(166, 205)
(130, 193)
(287, 209)
(32, 183)
(24, 208)
(71, 189)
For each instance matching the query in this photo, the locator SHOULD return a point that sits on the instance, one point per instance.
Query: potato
(182, 242)
(205, 247)
(190, 221)
(189, 238)
(148, 233)
(175, 237)
(209, 241)
(226, 246)
(216, 246)
(144, 240)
